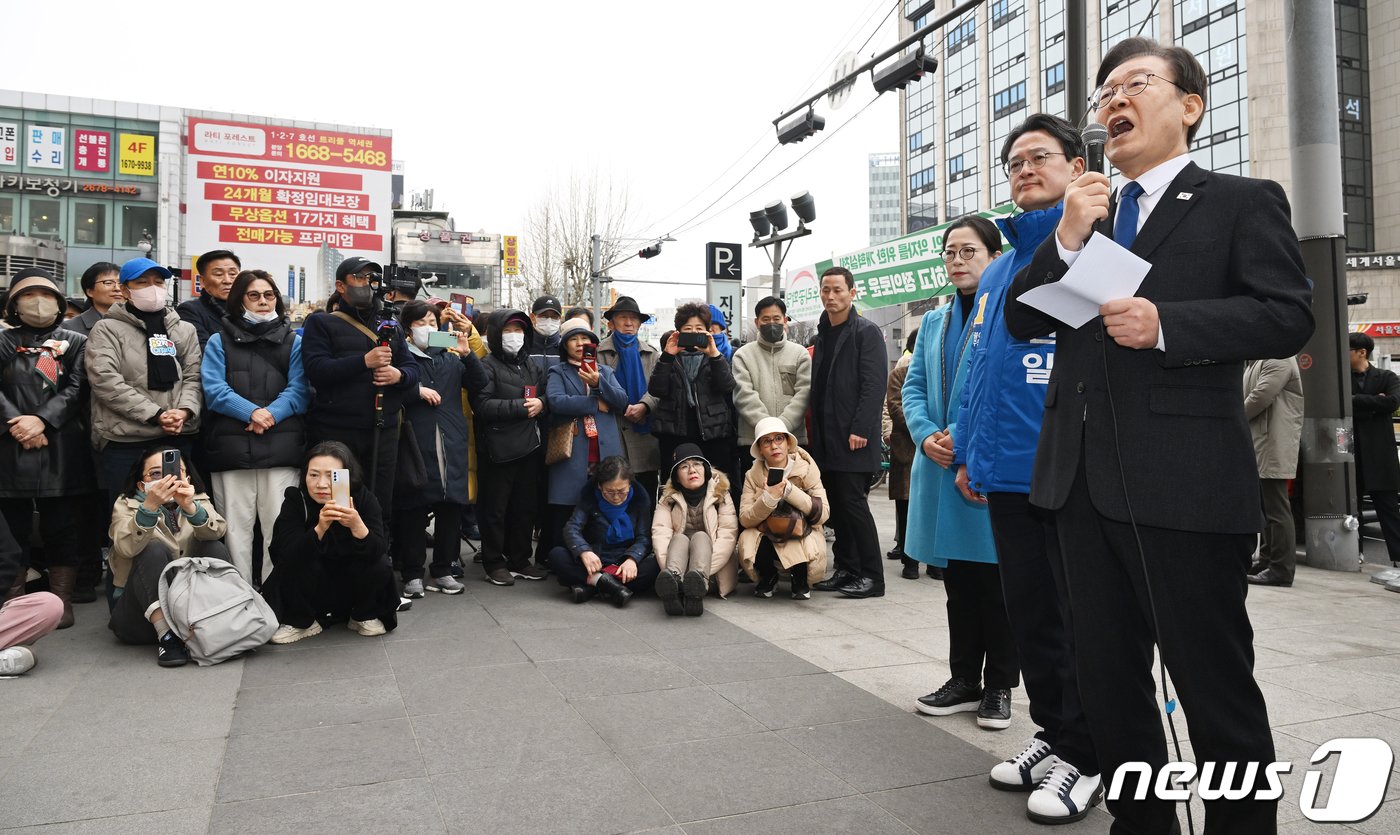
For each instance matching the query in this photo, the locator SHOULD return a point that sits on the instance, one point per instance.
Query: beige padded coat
(806, 480)
(721, 523)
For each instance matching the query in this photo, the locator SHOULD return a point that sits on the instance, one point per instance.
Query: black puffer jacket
(63, 467)
(258, 368)
(504, 430)
(333, 353)
(204, 312)
(587, 528)
(711, 412)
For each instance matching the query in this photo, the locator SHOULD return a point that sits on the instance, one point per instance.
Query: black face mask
(772, 334)
(360, 297)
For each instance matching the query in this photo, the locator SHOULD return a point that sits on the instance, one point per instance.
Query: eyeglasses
(1132, 86)
(1035, 162)
(966, 253)
(108, 283)
(154, 475)
(772, 440)
(254, 295)
(615, 494)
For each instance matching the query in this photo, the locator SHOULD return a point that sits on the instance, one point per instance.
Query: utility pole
(596, 271)
(1076, 61)
(1328, 467)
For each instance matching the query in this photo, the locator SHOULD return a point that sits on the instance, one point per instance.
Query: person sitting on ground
(607, 540)
(693, 534)
(782, 521)
(330, 559)
(157, 518)
(24, 618)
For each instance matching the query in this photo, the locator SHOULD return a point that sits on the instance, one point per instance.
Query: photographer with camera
(362, 371)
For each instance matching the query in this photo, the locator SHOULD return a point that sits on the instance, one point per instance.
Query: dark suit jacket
(1227, 279)
(1375, 395)
(851, 400)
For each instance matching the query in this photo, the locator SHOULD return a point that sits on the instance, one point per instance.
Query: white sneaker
(1064, 796)
(1023, 772)
(368, 628)
(288, 634)
(16, 661)
(446, 585)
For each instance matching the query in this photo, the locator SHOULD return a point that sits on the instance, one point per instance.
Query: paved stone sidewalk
(512, 710)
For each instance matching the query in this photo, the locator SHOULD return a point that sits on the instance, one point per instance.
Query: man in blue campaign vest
(1000, 415)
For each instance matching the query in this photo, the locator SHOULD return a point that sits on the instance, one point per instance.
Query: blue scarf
(619, 523)
(632, 375)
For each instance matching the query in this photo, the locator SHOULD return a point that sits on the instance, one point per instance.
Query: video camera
(397, 279)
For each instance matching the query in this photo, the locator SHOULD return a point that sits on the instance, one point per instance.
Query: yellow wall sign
(136, 155)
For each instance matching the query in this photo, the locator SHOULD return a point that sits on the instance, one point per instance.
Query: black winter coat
(204, 312)
(63, 467)
(850, 400)
(1375, 395)
(299, 556)
(587, 527)
(713, 385)
(333, 353)
(441, 430)
(504, 431)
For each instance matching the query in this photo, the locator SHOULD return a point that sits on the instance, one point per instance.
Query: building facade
(884, 190)
(1006, 60)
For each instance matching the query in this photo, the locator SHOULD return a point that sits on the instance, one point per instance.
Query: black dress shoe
(613, 589)
(836, 581)
(582, 594)
(1269, 577)
(935, 572)
(863, 587)
(911, 570)
(1257, 566)
(895, 554)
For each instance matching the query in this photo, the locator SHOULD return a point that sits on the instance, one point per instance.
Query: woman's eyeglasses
(966, 253)
(254, 295)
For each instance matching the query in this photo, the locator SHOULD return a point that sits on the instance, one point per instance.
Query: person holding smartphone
(446, 366)
(782, 511)
(162, 514)
(508, 409)
(692, 384)
(585, 399)
(255, 396)
(330, 565)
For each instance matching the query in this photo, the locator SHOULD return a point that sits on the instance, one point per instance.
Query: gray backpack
(213, 609)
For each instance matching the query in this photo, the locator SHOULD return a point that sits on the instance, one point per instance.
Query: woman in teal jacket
(944, 528)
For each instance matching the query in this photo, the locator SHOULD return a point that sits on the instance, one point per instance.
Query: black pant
(548, 531)
(570, 571)
(505, 509)
(1387, 505)
(1197, 581)
(552, 523)
(857, 546)
(57, 525)
(411, 539)
(128, 619)
(901, 522)
(1033, 585)
(980, 647)
(743, 464)
(362, 443)
(1277, 549)
(331, 589)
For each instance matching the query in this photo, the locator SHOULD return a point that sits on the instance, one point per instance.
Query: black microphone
(1095, 136)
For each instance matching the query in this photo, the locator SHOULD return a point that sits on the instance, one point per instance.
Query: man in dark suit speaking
(1145, 455)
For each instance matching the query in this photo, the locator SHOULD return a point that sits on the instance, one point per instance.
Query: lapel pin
(1183, 195)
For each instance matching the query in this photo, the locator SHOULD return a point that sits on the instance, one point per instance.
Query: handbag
(784, 523)
(411, 472)
(561, 442)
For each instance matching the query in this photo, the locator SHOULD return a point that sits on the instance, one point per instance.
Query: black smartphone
(170, 463)
(775, 475)
(698, 341)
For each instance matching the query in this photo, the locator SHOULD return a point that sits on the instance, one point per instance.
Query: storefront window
(137, 220)
(8, 205)
(90, 224)
(45, 219)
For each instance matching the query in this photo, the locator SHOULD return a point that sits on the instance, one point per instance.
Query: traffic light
(800, 128)
(651, 251)
(910, 67)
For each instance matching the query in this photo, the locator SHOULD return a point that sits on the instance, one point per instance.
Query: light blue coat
(942, 524)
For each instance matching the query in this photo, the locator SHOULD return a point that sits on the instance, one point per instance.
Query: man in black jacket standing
(1375, 395)
(217, 269)
(348, 368)
(849, 368)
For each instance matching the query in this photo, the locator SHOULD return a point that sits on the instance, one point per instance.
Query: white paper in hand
(1103, 271)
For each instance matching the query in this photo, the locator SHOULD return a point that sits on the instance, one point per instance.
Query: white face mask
(546, 327)
(420, 336)
(513, 342)
(148, 299)
(260, 318)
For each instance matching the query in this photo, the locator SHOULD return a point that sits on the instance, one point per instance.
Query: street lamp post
(768, 224)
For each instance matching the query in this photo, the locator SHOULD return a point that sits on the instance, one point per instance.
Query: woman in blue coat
(944, 528)
(589, 402)
(440, 428)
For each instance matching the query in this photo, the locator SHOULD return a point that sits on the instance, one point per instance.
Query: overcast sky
(491, 103)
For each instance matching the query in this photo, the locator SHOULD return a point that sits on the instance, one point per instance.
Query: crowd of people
(684, 468)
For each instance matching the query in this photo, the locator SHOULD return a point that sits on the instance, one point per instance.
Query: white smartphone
(340, 487)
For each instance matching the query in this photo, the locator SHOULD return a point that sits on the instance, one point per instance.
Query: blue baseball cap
(137, 267)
